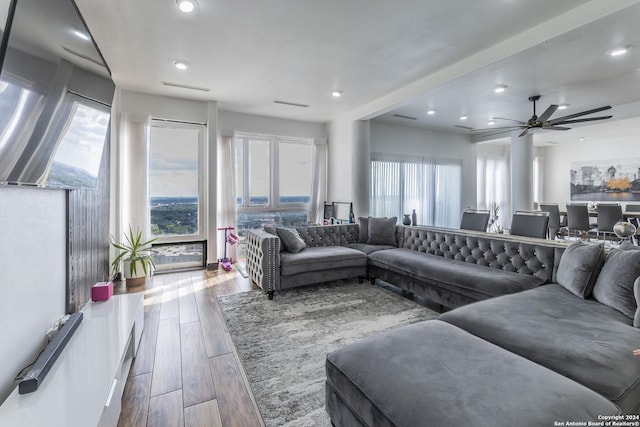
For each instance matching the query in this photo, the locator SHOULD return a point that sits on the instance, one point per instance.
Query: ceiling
(386, 57)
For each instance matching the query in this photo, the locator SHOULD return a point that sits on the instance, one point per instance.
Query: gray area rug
(283, 343)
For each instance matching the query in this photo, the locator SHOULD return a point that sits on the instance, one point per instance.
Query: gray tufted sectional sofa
(523, 347)
(450, 267)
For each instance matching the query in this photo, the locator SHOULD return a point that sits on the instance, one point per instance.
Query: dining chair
(608, 215)
(577, 219)
(555, 223)
(530, 224)
(632, 207)
(476, 220)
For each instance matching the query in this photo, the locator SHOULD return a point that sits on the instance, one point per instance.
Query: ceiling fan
(543, 121)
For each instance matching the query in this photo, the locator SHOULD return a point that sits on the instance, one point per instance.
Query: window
(273, 180)
(294, 173)
(176, 192)
(77, 159)
(400, 184)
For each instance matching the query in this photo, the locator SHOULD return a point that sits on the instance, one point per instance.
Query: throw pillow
(579, 267)
(614, 287)
(636, 292)
(363, 229)
(291, 239)
(271, 229)
(382, 231)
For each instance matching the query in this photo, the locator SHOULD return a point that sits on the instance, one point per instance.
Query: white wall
(229, 122)
(557, 159)
(33, 242)
(389, 138)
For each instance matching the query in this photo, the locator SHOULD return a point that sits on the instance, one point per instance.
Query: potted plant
(135, 257)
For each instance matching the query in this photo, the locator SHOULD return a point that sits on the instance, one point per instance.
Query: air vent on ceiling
(400, 116)
(293, 104)
(83, 56)
(463, 127)
(181, 86)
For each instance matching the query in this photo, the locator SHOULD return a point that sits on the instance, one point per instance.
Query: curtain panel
(493, 187)
(430, 186)
(227, 215)
(319, 182)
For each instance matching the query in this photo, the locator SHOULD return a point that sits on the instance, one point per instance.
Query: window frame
(202, 182)
(274, 172)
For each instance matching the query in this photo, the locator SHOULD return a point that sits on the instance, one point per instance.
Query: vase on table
(406, 220)
(414, 218)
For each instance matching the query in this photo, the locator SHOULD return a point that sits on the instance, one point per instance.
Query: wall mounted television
(55, 96)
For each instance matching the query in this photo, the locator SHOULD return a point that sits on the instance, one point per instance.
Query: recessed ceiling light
(180, 64)
(500, 88)
(463, 117)
(491, 123)
(187, 5)
(619, 51)
(431, 112)
(336, 93)
(563, 106)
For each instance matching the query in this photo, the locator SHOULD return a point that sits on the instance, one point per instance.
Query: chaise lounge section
(554, 354)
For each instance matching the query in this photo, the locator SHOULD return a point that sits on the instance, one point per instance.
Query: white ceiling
(387, 57)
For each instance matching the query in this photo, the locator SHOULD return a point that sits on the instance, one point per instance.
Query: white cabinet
(85, 385)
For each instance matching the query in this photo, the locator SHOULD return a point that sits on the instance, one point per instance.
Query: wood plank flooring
(186, 372)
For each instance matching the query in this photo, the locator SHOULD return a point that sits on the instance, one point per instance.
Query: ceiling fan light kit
(544, 121)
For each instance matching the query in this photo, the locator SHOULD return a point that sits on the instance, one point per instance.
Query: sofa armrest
(263, 259)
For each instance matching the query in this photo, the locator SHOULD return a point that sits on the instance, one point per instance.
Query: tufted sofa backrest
(329, 235)
(537, 258)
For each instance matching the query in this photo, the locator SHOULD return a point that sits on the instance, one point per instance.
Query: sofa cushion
(369, 249)
(363, 229)
(614, 286)
(579, 267)
(321, 258)
(578, 338)
(290, 239)
(479, 282)
(271, 229)
(382, 231)
(432, 373)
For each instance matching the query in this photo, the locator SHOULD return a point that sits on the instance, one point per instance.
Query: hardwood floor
(186, 372)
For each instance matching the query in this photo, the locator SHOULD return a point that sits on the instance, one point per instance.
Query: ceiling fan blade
(547, 113)
(524, 132)
(511, 120)
(496, 133)
(583, 113)
(584, 120)
(500, 127)
(556, 128)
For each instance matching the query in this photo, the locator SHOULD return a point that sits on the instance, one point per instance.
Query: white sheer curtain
(400, 184)
(319, 181)
(493, 186)
(227, 215)
(132, 191)
(448, 189)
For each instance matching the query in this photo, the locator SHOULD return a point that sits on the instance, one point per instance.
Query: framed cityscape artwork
(606, 180)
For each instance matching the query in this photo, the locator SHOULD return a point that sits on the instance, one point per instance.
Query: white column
(521, 171)
(361, 162)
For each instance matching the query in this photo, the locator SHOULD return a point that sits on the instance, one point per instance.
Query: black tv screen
(55, 97)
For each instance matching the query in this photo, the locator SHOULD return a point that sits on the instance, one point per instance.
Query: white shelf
(78, 386)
